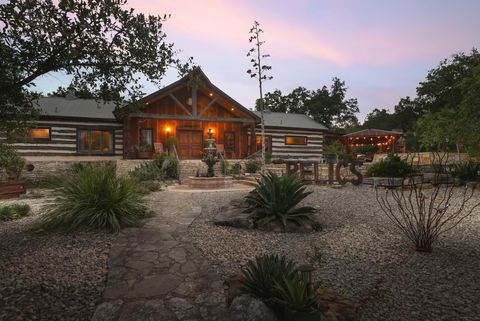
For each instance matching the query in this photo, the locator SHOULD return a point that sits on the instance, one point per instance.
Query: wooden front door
(190, 144)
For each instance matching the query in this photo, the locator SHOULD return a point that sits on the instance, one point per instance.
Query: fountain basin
(215, 182)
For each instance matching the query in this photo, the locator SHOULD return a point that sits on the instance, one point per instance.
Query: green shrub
(11, 161)
(293, 293)
(391, 166)
(468, 171)
(276, 199)
(253, 166)
(146, 172)
(224, 167)
(260, 275)
(369, 148)
(268, 157)
(168, 165)
(236, 168)
(94, 198)
(278, 161)
(314, 256)
(13, 211)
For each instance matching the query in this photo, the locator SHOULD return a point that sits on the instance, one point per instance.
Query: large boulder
(247, 308)
(233, 217)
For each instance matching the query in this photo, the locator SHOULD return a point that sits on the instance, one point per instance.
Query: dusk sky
(381, 49)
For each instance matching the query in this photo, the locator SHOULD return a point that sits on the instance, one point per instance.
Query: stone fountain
(210, 181)
(210, 157)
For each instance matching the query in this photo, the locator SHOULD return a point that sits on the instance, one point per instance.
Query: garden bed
(365, 257)
(49, 276)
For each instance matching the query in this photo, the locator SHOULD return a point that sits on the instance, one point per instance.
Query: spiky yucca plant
(276, 199)
(261, 273)
(94, 197)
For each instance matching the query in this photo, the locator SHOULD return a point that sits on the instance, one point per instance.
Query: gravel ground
(364, 256)
(49, 276)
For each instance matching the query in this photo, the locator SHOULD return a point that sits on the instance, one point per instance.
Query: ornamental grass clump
(275, 199)
(94, 198)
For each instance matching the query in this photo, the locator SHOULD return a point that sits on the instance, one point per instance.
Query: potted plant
(12, 164)
(171, 142)
(144, 151)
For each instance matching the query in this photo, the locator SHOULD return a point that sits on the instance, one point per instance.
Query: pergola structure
(384, 139)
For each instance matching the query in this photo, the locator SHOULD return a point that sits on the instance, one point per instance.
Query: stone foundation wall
(124, 166)
(46, 168)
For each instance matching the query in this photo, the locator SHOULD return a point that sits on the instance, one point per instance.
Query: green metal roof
(288, 120)
(75, 108)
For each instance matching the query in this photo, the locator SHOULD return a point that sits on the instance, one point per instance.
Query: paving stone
(139, 265)
(115, 289)
(182, 308)
(178, 254)
(185, 288)
(107, 311)
(153, 310)
(188, 267)
(154, 286)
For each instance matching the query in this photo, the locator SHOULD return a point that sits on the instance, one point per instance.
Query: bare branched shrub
(424, 212)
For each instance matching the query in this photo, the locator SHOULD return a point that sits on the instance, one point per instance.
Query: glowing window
(95, 141)
(39, 134)
(295, 140)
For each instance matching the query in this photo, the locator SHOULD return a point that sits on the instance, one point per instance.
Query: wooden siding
(313, 149)
(63, 138)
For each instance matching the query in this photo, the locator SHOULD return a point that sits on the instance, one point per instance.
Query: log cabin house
(185, 111)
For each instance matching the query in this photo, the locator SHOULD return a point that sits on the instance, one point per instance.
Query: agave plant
(261, 273)
(94, 197)
(469, 171)
(276, 199)
(293, 293)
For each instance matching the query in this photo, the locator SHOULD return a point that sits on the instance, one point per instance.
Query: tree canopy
(105, 47)
(449, 99)
(446, 110)
(328, 106)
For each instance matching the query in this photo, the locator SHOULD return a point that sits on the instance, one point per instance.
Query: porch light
(168, 129)
(210, 94)
(233, 109)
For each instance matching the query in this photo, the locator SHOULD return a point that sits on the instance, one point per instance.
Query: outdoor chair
(221, 150)
(158, 148)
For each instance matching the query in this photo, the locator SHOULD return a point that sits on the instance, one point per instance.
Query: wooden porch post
(126, 130)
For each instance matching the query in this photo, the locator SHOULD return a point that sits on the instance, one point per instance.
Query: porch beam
(179, 103)
(209, 104)
(191, 117)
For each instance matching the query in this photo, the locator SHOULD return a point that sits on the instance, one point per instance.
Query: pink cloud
(222, 23)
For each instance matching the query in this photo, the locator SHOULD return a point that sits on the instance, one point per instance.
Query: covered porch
(183, 114)
(384, 140)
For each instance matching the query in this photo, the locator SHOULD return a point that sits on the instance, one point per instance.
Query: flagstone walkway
(157, 274)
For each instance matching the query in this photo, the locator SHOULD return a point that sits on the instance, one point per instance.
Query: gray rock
(246, 308)
(107, 311)
(153, 310)
(233, 217)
